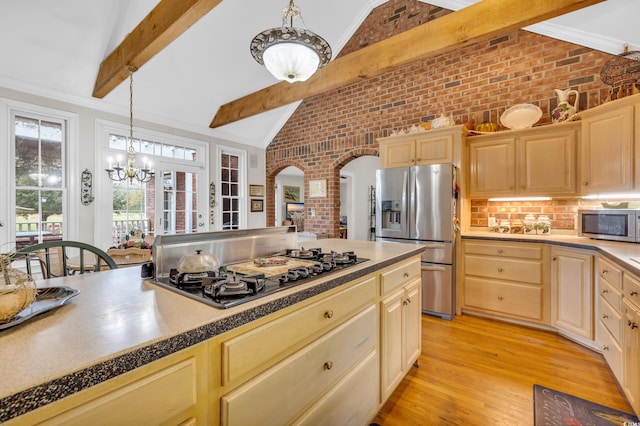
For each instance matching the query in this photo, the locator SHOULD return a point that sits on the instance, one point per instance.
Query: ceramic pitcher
(564, 109)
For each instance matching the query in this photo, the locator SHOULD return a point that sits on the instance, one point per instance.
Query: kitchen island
(117, 338)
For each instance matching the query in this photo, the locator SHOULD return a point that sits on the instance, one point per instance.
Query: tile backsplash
(563, 213)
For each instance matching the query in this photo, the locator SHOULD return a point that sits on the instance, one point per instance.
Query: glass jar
(543, 225)
(505, 227)
(529, 224)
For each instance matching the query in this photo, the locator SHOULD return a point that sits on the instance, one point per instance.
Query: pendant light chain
(131, 70)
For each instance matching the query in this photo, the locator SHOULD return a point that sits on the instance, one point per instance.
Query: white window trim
(72, 173)
(243, 184)
(104, 206)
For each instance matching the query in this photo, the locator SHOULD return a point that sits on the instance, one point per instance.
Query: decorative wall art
(256, 190)
(257, 205)
(318, 188)
(86, 188)
(291, 194)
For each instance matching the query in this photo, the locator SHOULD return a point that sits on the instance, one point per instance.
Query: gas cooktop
(235, 284)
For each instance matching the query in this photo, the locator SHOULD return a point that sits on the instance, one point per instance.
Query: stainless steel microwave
(613, 224)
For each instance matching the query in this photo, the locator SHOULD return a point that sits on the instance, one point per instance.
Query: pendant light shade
(290, 53)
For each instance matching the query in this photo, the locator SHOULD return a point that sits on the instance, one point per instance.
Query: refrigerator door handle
(433, 268)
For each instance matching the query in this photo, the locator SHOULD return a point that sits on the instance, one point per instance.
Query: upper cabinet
(532, 162)
(609, 133)
(428, 147)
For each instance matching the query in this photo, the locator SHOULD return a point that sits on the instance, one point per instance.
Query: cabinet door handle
(406, 302)
(605, 348)
(604, 271)
(605, 291)
(500, 269)
(499, 297)
(605, 316)
(328, 365)
(585, 183)
(553, 258)
(633, 325)
(633, 293)
(328, 314)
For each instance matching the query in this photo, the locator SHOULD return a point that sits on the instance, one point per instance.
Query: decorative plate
(521, 116)
(47, 298)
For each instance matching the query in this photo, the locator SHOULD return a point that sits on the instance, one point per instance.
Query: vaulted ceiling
(54, 49)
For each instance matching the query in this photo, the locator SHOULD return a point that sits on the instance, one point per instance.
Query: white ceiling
(54, 49)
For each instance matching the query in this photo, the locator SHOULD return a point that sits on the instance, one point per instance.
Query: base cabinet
(572, 292)
(401, 340)
(171, 390)
(608, 318)
(631, 382)
(504, 280)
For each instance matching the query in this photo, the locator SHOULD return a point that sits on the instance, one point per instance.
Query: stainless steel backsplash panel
(228, 246)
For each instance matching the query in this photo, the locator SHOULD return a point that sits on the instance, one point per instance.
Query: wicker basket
(17, 290)
(622, 73)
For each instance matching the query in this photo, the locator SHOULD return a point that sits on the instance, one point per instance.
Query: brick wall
(476, 83)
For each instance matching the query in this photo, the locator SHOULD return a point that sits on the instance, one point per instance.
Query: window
(230, 190)
(39, 179)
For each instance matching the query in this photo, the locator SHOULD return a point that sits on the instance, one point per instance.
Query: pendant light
(119, 173)
(290, 53)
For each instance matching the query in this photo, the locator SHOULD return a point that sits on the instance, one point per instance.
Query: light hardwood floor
(476, 371)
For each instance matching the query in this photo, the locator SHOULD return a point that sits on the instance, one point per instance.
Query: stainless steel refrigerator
(417, 205)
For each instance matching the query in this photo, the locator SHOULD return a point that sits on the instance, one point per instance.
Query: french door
(180, 200)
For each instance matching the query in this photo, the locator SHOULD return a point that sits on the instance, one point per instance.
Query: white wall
(362, 173)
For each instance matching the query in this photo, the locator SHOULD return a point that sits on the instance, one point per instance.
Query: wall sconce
(86, 188)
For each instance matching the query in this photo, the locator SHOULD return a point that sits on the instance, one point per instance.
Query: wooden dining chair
(53, 258)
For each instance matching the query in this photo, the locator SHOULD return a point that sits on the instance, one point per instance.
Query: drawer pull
(605, 347)
(605, 316)
(605, 291)
(499, 297)
(500, 269)
(499, 250)
(328, 314)
(328, 365)
(633, 293)
(604, 271)
(406, 275)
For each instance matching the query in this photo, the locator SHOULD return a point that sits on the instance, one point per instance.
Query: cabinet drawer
(528, 271)
(631, 287)
(264, 346)
(280, 393)
(353, 401)
(400, 275)
(525, 251)
(609, 272)
(514, 299)
(610, 318)
(611, 294)
(155, 399)
(611, 351)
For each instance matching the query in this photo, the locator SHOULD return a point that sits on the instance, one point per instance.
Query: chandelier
(290, 53)
(119, 173)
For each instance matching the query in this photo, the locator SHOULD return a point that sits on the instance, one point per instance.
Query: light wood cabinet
(415, 149)
(631, 381)
(609, 314)
(282, 392)
(171, 390)
(400, 334)
(572, 292)
(504, 279)
(530, 162)
(401, 325)
(608, 148)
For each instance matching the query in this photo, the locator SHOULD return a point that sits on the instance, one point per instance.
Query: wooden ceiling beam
(478, 22)
(166, 22)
